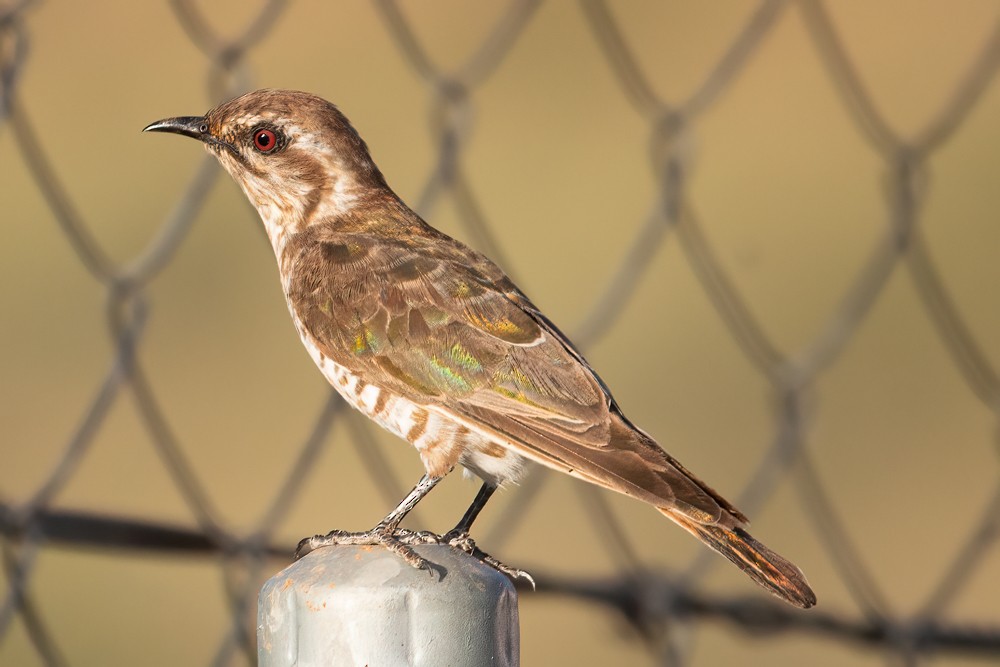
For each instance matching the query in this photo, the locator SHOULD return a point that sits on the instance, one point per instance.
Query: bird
(435, 343)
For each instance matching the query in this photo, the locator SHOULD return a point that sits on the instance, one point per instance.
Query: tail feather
(779, 576)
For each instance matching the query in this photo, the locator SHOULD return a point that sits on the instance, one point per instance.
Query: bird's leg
(478, 503)
(459, 538)
(386, 532)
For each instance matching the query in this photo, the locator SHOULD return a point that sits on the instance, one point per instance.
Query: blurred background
(771, 226)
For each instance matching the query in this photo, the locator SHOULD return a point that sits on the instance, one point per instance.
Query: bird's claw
(461, 540)
(396, 541)
(400, 541)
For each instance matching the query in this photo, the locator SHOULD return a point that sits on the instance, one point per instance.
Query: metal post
(358, 605)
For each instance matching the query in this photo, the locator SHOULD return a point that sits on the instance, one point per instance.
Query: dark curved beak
(195, 127)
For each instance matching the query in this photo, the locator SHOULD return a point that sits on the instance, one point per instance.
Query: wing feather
(440, 323)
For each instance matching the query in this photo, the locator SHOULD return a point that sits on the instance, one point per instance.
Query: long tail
(768, 569)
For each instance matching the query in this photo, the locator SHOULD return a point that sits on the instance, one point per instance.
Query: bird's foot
(400, 541)
(396, 540)
(461, 540)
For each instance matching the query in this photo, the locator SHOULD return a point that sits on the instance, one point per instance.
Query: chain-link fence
(660, 605)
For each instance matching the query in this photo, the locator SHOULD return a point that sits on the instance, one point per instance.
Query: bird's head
(295, 155)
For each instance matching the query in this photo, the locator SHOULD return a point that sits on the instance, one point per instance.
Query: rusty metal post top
(356, 605)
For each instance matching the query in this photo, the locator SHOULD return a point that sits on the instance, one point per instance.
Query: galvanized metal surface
(351, 605)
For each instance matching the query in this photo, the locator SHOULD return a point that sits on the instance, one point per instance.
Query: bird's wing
(443, 326)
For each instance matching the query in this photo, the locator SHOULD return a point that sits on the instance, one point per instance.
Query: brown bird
(434, 342)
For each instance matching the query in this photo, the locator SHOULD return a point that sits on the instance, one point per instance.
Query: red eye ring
(264, 140)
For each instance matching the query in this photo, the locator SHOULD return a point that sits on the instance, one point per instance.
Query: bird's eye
(264, 140)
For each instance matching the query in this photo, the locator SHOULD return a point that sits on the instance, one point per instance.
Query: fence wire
(654, 604)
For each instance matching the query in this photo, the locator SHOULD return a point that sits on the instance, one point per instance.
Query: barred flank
(765, 567)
